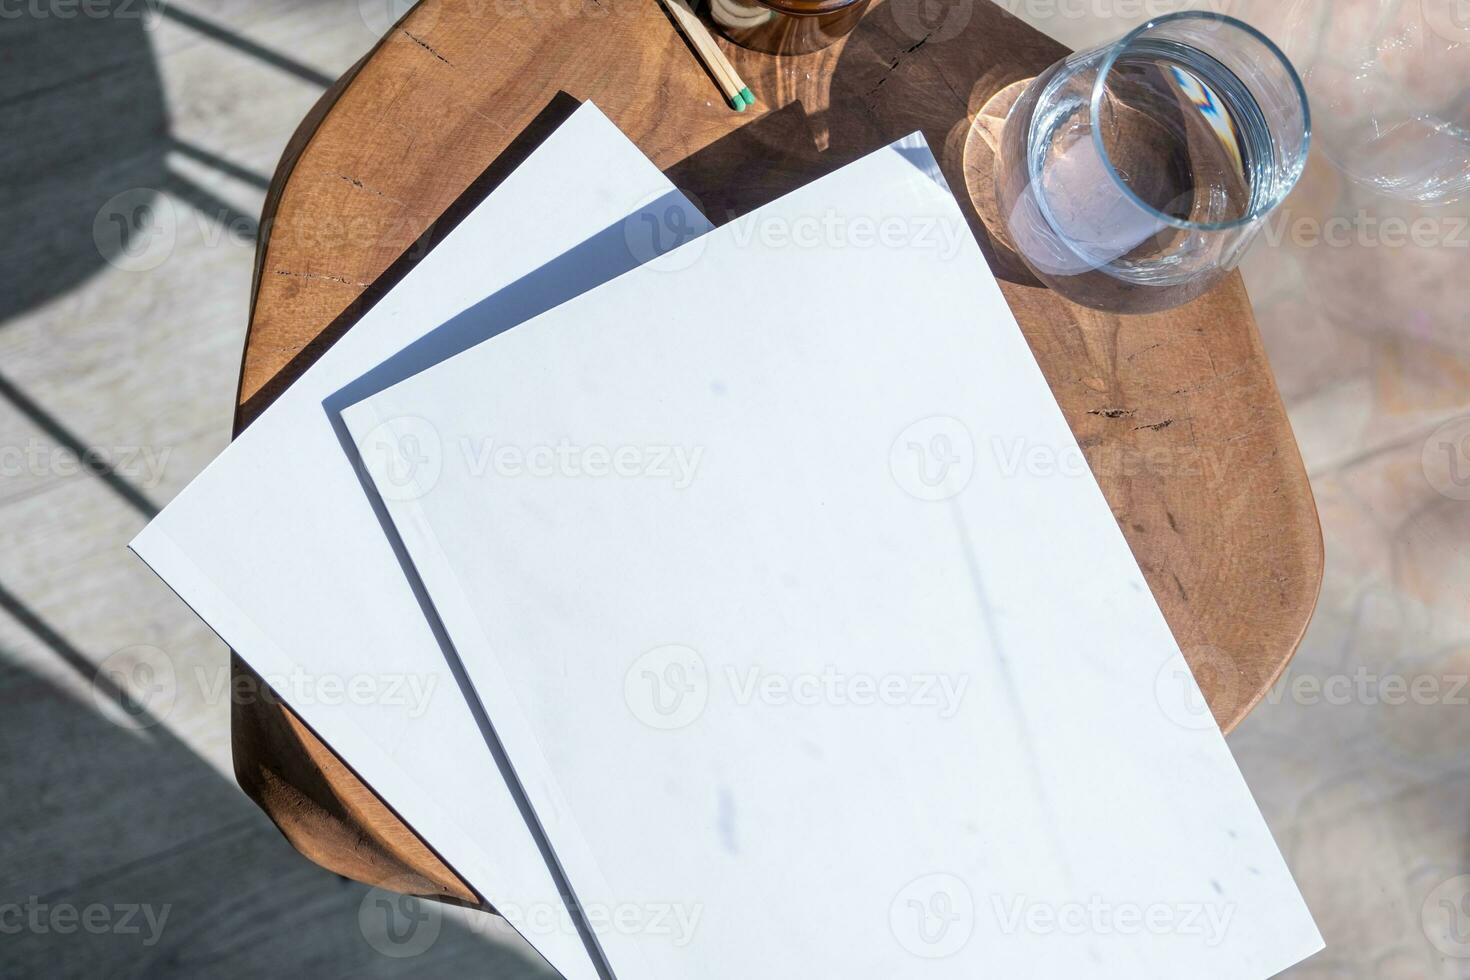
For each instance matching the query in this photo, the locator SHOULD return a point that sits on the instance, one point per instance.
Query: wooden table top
(1177, 412)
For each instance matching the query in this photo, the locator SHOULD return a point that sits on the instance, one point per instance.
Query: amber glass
(786, 26)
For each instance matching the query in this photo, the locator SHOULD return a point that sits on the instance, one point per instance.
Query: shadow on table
(885, 95)
(543, 125)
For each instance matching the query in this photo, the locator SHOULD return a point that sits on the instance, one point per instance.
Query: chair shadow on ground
(87, 175)
(105, 806)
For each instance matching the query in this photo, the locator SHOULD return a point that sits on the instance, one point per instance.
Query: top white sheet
(279, 549)
(805, 671)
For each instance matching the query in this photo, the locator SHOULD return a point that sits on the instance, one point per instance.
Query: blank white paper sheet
(278, 547)
(806, 670)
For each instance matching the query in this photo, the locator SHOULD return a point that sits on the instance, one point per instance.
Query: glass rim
(1116, 49)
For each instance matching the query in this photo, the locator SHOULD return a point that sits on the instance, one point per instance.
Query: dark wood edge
(308, 791)
(321, 805)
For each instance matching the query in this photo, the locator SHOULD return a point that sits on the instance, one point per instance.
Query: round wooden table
(1177, 412)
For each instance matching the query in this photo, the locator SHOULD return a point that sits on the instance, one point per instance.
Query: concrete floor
(137, 358)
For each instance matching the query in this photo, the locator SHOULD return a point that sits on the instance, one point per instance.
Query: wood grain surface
(1177, 412)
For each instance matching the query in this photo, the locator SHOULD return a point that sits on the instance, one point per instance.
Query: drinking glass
(1131, 177)
(1389, 79)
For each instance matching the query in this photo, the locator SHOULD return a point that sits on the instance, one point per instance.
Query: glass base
(786, 27)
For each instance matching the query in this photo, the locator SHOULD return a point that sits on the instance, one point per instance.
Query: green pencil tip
(745, 94)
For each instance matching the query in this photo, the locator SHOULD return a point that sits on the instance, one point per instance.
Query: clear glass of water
(1133, 176)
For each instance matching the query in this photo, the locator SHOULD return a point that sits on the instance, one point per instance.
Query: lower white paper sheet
(279, 549)
(806, 672)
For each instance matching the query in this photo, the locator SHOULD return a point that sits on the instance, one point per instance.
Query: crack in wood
(360, 185)
(898, 60)
(341, 280)
(425, 45)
